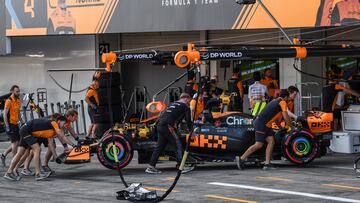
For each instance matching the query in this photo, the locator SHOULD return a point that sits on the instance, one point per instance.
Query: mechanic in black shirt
(166, 128)
(329, 98)
(273, 112)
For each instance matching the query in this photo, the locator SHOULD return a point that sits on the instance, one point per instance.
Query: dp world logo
(205, 56)
(121, 57)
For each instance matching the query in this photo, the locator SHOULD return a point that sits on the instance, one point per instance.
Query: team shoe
(47, 169)
(152, 170)
(27, 172)
(269, 167)
(240, 163)
(42, 176)
(12, 176)
(3, 158)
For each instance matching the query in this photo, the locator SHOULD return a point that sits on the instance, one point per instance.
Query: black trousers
(166, 135)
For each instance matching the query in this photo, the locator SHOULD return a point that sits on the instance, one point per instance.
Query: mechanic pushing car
(236, 89)
(272, 112)
(71, 116)
(167, 131)
(11, 119)
(92, 99)
(29, 133)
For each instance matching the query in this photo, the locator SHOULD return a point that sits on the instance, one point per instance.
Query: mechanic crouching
(272, 112)
(167, 131)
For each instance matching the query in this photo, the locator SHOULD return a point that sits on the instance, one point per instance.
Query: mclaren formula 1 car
(222, 137)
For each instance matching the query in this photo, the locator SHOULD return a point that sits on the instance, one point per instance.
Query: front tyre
(107, 152)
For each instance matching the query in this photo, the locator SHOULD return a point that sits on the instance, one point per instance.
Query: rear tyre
(123, 151)
(300, 147)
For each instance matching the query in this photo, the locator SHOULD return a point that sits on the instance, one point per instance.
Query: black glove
(58, 160)
(80, 142)
(78, 145)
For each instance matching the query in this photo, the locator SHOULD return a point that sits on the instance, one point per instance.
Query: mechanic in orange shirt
(236, 89)
(11, 115)
(272, 85)
(200, 106)
(29, 133)
(92, 99)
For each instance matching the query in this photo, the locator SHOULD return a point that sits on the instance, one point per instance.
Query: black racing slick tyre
(104, 99)
(300, 147)
(123, 151)
(105, 77)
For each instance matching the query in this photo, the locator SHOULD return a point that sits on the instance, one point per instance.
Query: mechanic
(191, 87)
(167, 131)
(200, 105)
(71, 116)
(11, 116)
(293, 91)
(270, 83)
(29, 133)
(92, 99)
(236, 89)
(257, 94)
(272, 112)
(329, 99)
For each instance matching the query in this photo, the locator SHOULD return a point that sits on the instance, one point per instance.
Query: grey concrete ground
(329, 179)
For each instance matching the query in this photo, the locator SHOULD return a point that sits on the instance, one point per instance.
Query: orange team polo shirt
(91, 93)
(199, 109)
(48, 133)
(267, 82)
(13, 105)
(278, 116)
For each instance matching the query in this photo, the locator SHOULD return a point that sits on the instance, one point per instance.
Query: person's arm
(241, 88)
(285, 114)
(192, 109)
(72, 132)
(87, 100)
(291, 115)
(351, 92)
(62, 137)
(52, 147)
(5, 112)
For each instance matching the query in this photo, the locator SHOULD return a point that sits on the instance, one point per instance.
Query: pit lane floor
(329, 179)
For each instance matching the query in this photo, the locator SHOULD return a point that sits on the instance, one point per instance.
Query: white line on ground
(335, 167)
(340, 199)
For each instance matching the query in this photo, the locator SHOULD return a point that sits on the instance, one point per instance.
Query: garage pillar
(287, 74)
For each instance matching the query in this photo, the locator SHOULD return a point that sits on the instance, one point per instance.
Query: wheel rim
(119, 150)
(301, 146)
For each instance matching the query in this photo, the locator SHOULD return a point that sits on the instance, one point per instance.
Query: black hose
(320, 77)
